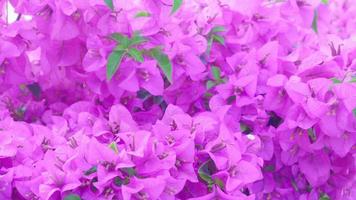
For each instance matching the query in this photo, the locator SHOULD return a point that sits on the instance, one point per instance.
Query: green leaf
(119, 37)
(113, 146)
(122, 39)
(20, 113)
(214, 37)
(315, 21)
(294, 185)
(311, 134)
(220, 183)
(353, 79)
(209, 45)
(217, 29)
(354, 112)
(231, 99)
(210, 84)
(129, 171)
(269, 168)
(137, 39)
(72, 197)
(325, 1)
(176, 5)
(121, 47)
(119, 182)
(110, 4)
(336, 81)
(216, 73)
(324, 197)
(205, 177)
(35, 89)
(223, 80)
(142, 14)
(219, 39)
(136, 54)
(114, 61)
(143, 94)
(164, 63)
(90, 171)
(244, 127)
(204, 172)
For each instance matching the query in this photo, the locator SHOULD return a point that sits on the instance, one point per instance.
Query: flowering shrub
(178, 99)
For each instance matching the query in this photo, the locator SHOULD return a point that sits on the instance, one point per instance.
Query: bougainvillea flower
(5, 184)
(223, 151)
(150, 77)
(8, 50)
(316, 168)
(150, 188)
(177, 99)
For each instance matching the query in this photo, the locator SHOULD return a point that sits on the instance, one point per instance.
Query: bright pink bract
(178, 99)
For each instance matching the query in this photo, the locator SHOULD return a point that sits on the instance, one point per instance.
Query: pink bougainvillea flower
(150, 78)
(8, 50)
(223, 151)
(242, 6)
(150, 188)
(219, 194)
(5, 184)
(64, 27)
(95, 57)
(246, 99)
(136, 142)
(242, 173)
(316, 168)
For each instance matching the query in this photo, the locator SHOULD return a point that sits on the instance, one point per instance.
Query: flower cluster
(178, 99)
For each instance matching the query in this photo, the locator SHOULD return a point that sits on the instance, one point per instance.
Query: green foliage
(216, 73)
(113, 64)
(219, 39)
(336, 81)
(269, 168)
(325, 1)
(129, 171)
(136, 54)
(315, 21)
(204, 172)
(90, 171)
(217, 29)
(176, 5)
(210, 84)
(124, 47)
(220, 184)
(110, 4)
(72, 197)
(311, 134)
(113, 146)
(214, 36)
(324, 197)
(164, 62)
(137, 39)
(35, 89)
(142, 14)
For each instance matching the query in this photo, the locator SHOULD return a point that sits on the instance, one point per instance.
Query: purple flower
(316, 168)
(211, 99)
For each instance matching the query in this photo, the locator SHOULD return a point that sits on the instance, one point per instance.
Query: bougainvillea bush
(178, 99)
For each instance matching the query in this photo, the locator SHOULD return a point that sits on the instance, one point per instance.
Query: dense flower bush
(178, 99)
